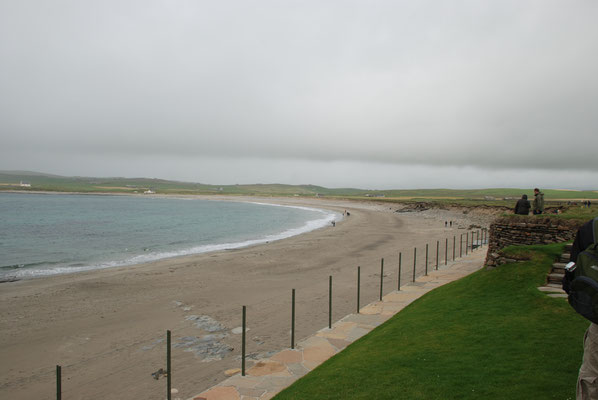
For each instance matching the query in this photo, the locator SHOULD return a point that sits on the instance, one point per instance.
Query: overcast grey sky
(370, 94)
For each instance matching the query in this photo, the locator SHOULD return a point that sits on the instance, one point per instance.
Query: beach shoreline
(107, 327)
(196, 244)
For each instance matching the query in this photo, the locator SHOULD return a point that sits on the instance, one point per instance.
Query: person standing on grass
(522, 207)
(538, 202)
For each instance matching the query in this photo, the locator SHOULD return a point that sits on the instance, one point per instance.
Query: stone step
(555, 285)
(551, 288)
(559, 267)
(568, 247)
(554, 277)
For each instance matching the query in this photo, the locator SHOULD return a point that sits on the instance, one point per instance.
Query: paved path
(269, 376)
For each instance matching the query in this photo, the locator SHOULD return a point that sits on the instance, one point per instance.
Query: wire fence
(448, 250)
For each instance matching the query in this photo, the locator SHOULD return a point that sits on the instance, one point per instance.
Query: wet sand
(107, 328)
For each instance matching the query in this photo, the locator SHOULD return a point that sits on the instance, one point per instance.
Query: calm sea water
(44, 235)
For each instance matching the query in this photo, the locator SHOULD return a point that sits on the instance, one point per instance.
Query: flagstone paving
(269, 376)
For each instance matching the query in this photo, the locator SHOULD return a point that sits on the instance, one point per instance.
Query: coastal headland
(107, 328)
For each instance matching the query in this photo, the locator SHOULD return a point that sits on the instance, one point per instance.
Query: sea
(49, 234)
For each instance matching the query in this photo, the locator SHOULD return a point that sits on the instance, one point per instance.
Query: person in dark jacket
(522, 207)
(583, 238)
(587, 380)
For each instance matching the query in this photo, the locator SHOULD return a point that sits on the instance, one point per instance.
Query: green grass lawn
(491, 335)
(580, 213)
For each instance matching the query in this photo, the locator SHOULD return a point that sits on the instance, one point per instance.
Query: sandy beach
(107, 328)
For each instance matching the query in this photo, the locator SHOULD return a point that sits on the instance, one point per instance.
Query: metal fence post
(446, 251)
(461, 246)
(330, 302)
(168, 368)
(293, 320)
(454, 242)
(243, 341)
(381, 277)
(358, 286)
(399, 284)
(437, 250)
(426, 259)
(58, 382)
(466, 241)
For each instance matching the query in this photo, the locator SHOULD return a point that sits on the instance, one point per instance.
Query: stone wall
(507, 231)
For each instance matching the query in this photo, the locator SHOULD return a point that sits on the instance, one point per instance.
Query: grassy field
(488, 197)
(491, 335)
(577, 212)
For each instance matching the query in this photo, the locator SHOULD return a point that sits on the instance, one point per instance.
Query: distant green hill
(11, 180)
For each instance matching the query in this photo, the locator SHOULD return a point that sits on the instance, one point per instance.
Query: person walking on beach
(522, 207)
(538, 202)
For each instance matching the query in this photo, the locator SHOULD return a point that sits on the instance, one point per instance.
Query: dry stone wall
(507, 231)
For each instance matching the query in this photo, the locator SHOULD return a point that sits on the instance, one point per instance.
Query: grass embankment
(577, 212)
(491, 335)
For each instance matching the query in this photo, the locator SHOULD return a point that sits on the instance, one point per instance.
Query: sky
(368, 94)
